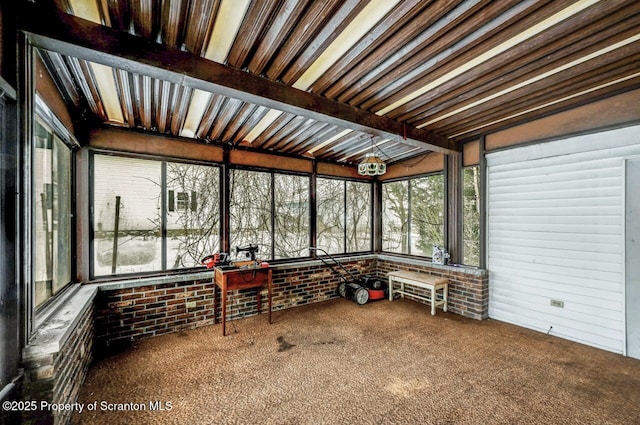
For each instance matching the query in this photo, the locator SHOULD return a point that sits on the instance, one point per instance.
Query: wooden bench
(420, 280)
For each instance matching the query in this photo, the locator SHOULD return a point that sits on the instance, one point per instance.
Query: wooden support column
(313, 205)
(483, 204)
(225, 187)
(377, 216)
(454, 207)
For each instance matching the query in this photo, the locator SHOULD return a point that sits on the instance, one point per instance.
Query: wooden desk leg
(269, 294)
(215, 301)
(223, 295)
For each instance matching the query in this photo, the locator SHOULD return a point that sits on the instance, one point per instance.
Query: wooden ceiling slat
(142, 94)
(119, 14)
(59, 70)
(202, 14)
(82, 74)
(412, 38)
(227, 112)
(455, 49)
(398, 25)
(142, 17)
(78, 37)
(282, 132)
(123, 85)
(179, 107)
(243, 114)
(305, 29)
(272, 129)
(438, 20)
(571, 76)
(316, 135)
(333, 28)
(346, 140)
(295, 135)
(611, 68)
(162, 97)
(172, 23)
(213, 109)
(248, 125)
(594, 96)
(251, 30)
(505, 70)
(285, 18)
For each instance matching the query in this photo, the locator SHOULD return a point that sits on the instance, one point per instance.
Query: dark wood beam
(76, 37)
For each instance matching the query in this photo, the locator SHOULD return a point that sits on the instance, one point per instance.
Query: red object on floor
(376, 294)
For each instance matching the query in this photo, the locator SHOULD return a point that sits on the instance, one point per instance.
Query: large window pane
(291, 201)
(395, 217)
(330, 215)
(427, 214)
(250, 211)
(193, 213)
(358, 216)
(52, 213)
(471, 216)
(127, 215)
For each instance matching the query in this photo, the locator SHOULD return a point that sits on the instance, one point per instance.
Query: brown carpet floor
(382, 363)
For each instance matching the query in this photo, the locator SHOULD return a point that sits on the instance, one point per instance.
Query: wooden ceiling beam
(77, 37)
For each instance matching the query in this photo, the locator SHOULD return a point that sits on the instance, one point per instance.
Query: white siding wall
(556, 232)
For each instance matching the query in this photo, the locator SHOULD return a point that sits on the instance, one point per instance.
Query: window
(291, 221)
(413, 215)
(427, 214)
(137, 229)
(395, 217)
(343, 215)
(250, 211)
(52, 191)
(193, 226)
(270, 210)
(471, 216)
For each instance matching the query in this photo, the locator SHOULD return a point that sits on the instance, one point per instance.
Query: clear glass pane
(471, 216)
(427, 214)
(358, 216)
(193, 213)
(52, 213)
(250, 211)
(330, 215)
(291, 199)
(43, 213)
(61, 214)
(127, 215)
(395, 217)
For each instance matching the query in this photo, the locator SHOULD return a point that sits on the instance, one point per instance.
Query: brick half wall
(126, 314)
(468, 288)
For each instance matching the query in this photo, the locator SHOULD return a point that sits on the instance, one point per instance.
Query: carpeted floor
(382, 363)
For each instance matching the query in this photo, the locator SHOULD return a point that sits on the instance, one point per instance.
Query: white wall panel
(556, 234)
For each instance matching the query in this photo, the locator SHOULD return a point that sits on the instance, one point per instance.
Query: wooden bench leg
(433, 300)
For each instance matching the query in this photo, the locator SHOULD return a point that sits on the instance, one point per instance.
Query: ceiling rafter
(77, 37)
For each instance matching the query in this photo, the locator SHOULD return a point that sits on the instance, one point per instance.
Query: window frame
(344, 219)
(49, 121)
(462, 222)
(409, 214)
(163, 160)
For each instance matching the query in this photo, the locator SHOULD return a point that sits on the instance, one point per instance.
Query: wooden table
(420, 280)
(237, 279)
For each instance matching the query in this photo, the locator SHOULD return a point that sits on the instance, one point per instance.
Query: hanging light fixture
(372, 165)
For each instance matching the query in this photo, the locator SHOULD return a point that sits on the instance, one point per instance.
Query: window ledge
(425, 262)
(58, 326)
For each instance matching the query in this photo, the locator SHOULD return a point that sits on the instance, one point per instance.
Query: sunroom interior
(493, 145)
